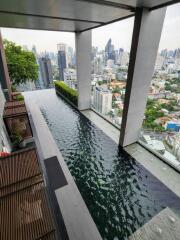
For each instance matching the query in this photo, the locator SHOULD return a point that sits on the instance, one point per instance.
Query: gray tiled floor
(165, 225)
(153, 164)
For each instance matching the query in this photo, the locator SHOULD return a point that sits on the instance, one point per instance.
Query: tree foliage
(116, 90)
(169, 85)
(22, 64)
(151, 114)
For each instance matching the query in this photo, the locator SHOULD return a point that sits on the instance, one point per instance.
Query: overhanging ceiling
(69, 15)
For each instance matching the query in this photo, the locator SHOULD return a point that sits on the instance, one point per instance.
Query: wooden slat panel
(14, 104)
(18, 167)
(20, 185)
(50, 236)
(26, 215)
(14, 111)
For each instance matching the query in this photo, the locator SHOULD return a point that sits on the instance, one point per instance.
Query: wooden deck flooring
(24, 209)
(14, 104)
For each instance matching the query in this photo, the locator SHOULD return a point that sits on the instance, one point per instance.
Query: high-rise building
(110, 63)
(102, 100)
(120, 55)
(70, 54)
(62, 62)
(159, 62)
(94, 51)
(124, 58)
(177, 64)
(178, 74)
(164, 53)
(45, 71)
(98, 65)
(170, 54)
(109, 51)
(70, 78)
(74, 60)
(116, 52)
(34, 50)
(177, 53)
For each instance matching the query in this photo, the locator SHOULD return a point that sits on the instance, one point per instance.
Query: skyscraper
(94, 51)
(109, 51)
(34, 50)
(45, 71)
(69, 55)
(62, 63)
(98, 65)
(70, 78)
(177, 53)
(164, 53)
(102, 100)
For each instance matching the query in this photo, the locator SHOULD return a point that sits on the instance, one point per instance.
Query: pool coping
(76, 216)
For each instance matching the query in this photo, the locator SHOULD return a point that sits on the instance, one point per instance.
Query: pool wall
(78, 221)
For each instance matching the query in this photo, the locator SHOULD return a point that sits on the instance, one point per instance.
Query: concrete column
(145, 42)
(83, 58)
(4, 74)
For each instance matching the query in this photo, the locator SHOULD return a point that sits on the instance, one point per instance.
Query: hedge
(66, 91)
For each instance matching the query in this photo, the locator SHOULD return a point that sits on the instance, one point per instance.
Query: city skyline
(100, 36)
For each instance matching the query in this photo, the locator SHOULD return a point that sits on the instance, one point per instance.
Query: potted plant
(16, 135)
(16, 139)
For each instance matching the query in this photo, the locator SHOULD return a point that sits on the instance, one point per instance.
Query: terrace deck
(26, 215)
(14, 104)
(19, 170)
(24, 209)
(17, 111)
(16, 119)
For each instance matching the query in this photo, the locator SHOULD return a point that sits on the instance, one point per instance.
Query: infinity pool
(120, 194)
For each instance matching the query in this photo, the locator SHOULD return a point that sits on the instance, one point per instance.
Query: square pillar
(83, 62)
(144, 47)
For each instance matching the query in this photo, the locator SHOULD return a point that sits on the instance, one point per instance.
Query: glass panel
(110, 60)
(161, 125)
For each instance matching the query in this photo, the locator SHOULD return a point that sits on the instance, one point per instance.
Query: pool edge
(77, 218)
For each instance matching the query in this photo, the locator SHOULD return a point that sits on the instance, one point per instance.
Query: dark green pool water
(119, 193)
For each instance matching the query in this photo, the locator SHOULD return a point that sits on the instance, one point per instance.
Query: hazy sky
(120, 32)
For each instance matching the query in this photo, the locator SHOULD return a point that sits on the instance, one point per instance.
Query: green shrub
(16, 139)
(13, 88)
(20, 97)
(67, 92)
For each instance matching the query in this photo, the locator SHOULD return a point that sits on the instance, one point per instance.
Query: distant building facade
(62, 62)
(109, 51)
(102, 100)
(70, 78)
(45, 71)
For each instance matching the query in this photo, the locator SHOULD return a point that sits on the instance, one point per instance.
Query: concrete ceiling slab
(69, 15)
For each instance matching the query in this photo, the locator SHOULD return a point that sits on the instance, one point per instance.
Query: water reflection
(120, 194)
